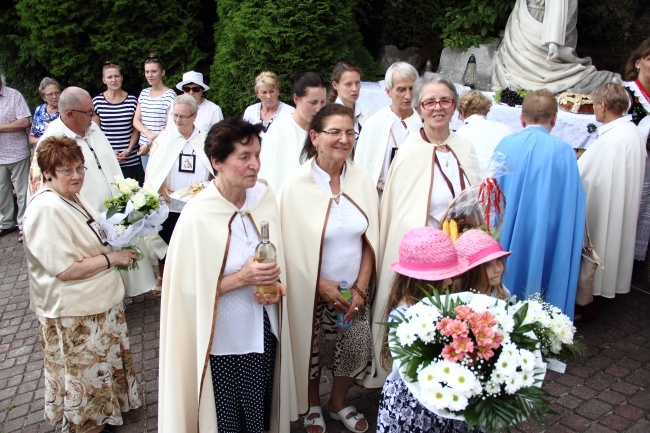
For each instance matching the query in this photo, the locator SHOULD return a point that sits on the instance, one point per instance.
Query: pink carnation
(484, 352)
(463, 312)
(463, 344)
(484, 335)
(451, 353)
(484, 318)
(498, 338)
(456, 328)
(442, 325)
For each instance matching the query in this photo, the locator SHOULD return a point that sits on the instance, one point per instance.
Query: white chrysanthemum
(406, 334)
(119, 229)
(457, 401)
(425, 311)
(438, 396)
(427, 378)
(424, 328)
(444, 370)
(505, 322)
(482, 303)
(528, 379)
(508, 361)
(462, 380)
(527, 360)
(514, 382)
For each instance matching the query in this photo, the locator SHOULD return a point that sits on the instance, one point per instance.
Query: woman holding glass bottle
(229, 364)
(329, 211)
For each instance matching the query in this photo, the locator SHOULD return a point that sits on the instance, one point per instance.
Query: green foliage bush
(70, 41)
(283, 36)
(457, 23)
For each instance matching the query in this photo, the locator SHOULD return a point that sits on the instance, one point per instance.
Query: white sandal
(318, 421)
(350, 422)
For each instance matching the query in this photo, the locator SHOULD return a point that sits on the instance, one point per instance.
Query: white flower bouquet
(137, 211)
(475, 358)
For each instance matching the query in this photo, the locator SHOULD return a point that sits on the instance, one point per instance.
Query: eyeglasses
(69, 171)
(431, 104)
(181, 117)
(338, 134)
(188, 89)
(49, 95)
(87, 113)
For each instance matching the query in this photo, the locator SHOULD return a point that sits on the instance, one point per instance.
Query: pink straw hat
(427, 253)
(478, 247)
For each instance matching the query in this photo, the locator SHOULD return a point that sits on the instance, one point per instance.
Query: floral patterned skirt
(399, 412)
(89, 378)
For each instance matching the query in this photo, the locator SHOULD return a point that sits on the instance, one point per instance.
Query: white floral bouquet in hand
(137, 211)
(476, 358)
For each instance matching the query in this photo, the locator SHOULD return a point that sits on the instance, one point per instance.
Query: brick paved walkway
(606, 391)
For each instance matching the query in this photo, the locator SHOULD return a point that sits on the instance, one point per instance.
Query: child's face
(494, 271)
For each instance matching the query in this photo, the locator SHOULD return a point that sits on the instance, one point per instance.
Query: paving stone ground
(608, 390)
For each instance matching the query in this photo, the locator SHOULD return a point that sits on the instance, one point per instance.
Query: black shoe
(4, 232)
(109, 429)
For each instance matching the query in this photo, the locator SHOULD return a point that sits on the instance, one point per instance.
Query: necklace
(243, 224)
(326, 184)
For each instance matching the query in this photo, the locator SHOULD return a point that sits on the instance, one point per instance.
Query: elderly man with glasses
(75, 122)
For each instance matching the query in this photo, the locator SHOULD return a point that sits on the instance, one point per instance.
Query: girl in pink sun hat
(427, 259)
(485, 265)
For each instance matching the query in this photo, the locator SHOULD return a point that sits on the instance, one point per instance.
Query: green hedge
(70, 41)
(283, 36)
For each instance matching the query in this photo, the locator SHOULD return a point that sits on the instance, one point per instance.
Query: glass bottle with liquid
(265, 253)
(344, 289)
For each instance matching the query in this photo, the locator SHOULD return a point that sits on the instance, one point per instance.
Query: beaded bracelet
(108, 262)
(362, 294)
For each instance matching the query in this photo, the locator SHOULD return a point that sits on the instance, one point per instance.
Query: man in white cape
(385, 131)
(612, 171)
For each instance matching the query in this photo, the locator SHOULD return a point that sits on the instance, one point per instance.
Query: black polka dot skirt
(243, 387)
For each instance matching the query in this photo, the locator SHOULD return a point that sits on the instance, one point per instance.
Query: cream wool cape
(281, 148)
(612, 171)
(164, 154)
(405, 206)
(375, 138)
(97, 186)
(304, 208)
(196, 259)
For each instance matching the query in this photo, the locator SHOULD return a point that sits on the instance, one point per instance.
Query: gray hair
(46, 82)
(70, 98)
(189, 101)
(406, 70)
(430, 78)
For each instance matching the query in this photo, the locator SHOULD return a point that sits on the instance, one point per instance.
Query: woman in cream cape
(305, 211)
(194, 279)
(406, 203)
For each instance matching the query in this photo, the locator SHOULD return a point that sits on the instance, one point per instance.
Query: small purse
(589, 262)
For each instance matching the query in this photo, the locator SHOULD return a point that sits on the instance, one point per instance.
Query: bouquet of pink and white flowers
(476, 358)
(135, 212)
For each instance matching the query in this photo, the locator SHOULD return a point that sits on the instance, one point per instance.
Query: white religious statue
(538, 50)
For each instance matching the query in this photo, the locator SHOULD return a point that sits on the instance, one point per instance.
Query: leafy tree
(70, 40)
(283, 36)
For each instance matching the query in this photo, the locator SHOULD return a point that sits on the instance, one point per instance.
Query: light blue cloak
(545, 217)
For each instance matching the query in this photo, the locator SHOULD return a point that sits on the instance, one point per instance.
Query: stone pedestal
(453, 62)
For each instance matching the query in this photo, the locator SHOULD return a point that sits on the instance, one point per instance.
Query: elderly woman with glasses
(76, 293)
(209, 113)
(425, 176)
(153, 106)
(177, 161)
(267, 90)
(329, 210)
(50, 90)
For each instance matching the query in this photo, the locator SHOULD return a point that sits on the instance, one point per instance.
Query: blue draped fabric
(545, 217)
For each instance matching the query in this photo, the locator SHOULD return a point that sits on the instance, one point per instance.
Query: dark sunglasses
(195, 89)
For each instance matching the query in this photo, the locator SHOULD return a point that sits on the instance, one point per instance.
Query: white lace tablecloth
(570, 127)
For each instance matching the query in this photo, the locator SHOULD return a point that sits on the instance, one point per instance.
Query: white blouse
(346, 224)
(239, 327)
(441, 196)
